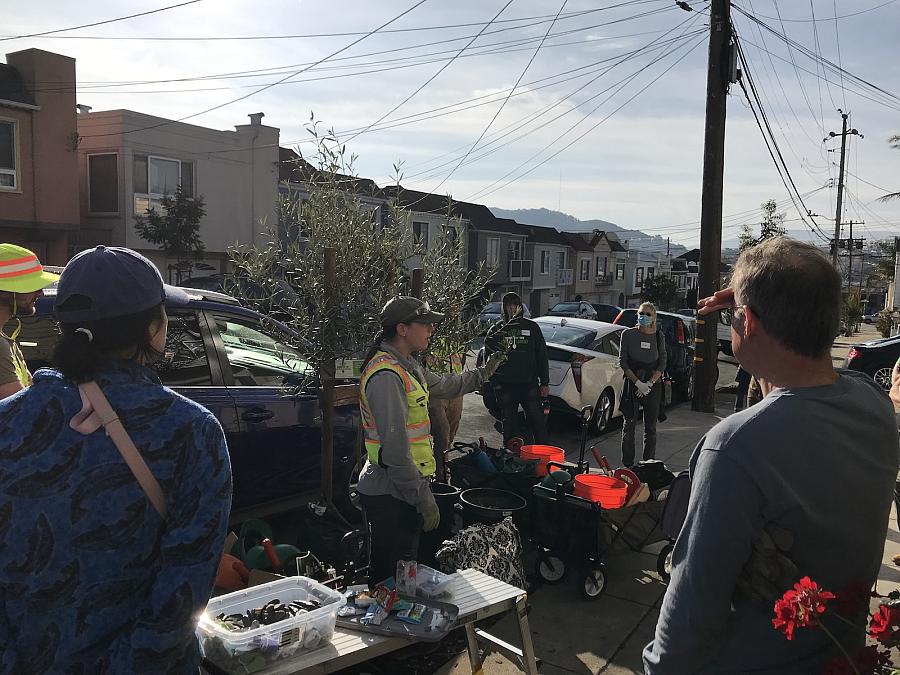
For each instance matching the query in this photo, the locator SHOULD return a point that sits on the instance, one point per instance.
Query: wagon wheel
(594, 583)
(551, 568)
(664, 562)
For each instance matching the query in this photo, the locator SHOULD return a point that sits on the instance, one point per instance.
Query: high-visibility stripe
(21, 270)
(14, 262)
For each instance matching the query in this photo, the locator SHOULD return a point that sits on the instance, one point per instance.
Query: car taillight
(679, 332)
(854, 353)
(577, 361)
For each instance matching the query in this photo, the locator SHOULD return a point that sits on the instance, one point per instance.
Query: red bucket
(544, 454)
(609, 492)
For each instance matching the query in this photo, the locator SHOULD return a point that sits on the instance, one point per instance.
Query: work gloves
(642, 388)
(431, 517)
(493, 362)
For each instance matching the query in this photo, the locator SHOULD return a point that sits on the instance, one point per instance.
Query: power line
(831, 18)
(502, 105)
(98, 23)
(268, 86)
(837, 40)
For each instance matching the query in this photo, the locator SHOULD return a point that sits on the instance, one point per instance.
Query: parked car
(687, 311)
(584, 368)
(869, 318)
(876, 359)
(679, 332)
(579, 309)
(493, 310)
(235, 361)
(607, 313)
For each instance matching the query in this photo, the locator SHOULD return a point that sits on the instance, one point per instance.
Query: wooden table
(477, 595)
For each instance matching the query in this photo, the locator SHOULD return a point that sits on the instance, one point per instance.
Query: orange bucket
(544, 454)
(609, 492)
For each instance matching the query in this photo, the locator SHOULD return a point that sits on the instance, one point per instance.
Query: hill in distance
(568, 223)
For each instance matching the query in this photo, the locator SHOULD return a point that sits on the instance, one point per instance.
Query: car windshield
(565, 307)
(571, 336)
(491, 308)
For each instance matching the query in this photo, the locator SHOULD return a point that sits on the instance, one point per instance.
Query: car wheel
(882, 378)
(603, 412)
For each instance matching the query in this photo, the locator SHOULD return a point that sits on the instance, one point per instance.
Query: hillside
(565, 222)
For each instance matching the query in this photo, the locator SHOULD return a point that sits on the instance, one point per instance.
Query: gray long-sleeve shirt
(636, 347)
(819, 462)
(387, 401)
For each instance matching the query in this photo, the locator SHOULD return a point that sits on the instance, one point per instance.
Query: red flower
(852, 599)
(800, 607)
(883, 624)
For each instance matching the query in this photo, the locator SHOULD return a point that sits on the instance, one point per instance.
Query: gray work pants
(650, 403)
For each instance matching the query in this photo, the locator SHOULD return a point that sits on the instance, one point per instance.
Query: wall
(235, 171)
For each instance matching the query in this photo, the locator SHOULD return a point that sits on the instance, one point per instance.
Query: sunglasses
(644, 314)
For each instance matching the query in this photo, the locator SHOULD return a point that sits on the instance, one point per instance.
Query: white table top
(477, 595)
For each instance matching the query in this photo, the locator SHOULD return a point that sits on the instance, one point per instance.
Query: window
(585, 273)
(451, 234)
(420, 234)
(570, 336)
(545, 262)
(258, 359)
(185, 362)
(620, 271)
(639, 276)
(8, 174)
(103, 179)
(600, 270)
(155, 177)
(608, 344)
(650, 271)
(493, 253)
(515, 250)
(561, 260)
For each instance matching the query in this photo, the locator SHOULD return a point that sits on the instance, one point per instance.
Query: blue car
(235, 362)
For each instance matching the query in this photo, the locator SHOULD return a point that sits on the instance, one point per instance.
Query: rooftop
(12, 86)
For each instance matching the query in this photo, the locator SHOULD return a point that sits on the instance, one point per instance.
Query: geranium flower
(800, 607)
(883, 624)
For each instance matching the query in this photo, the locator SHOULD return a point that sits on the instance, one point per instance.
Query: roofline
(16, 104)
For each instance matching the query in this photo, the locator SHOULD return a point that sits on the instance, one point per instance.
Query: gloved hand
(431, 517)
(493, 362)
(643, 388)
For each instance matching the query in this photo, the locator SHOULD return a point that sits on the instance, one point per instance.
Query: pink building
(39, 205)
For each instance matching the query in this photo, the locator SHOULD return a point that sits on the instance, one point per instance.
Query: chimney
(83, 109)
(256, 119)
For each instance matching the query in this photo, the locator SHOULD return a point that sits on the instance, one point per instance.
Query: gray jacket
(387, 400)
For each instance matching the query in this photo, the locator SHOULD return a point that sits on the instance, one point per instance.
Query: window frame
(638, 276)
(545, 262)
(492, 258)
(16, 153)
(91, 208)
(154, 199)
(598, 270)
(620, 271)
(584, 272)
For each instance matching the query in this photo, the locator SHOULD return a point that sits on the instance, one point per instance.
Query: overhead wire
(98, 23)
(837, 41)
(268, 86)
(844, 16)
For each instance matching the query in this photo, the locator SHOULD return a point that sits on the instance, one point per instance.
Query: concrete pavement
(606, 635)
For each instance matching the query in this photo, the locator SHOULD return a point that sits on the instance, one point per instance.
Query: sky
(592, 108)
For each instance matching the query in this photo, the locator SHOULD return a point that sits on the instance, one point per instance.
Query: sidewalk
(573, 635)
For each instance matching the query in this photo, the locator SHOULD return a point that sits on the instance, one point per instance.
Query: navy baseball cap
(108, 281)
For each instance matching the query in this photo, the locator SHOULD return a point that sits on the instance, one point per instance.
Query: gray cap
(407, 309)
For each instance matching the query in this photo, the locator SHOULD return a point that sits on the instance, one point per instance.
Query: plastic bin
(544, 454)
(607, 491)
(235, 650)
(433, 584)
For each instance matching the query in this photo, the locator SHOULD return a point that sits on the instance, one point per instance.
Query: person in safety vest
(444, 413)
(22, 282)
(394, 485)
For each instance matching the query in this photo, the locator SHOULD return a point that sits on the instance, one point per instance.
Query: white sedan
(584, 366)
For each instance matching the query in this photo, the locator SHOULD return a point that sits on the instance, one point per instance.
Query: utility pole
(717, 80)
(840, 192)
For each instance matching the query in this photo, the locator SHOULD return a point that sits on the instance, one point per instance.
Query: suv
(235, 362)
(679, 332)
(575, 309)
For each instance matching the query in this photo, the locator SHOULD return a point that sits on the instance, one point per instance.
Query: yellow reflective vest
(417, 423)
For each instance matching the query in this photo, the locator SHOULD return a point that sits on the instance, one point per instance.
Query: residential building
(129, 160)
(551, 276)
(500, 244)
(686, 273)
(581, 259)
(38, 154)
(639, 266)
(608, 267)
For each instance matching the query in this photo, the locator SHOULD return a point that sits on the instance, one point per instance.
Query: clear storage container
(249, 650)
(433, 584)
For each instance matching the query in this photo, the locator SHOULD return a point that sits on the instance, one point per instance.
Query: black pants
(650, 403)
(743, 381)
(511, 396)
(394, 529)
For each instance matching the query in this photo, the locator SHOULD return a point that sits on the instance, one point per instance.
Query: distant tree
(175, 229)
(772, 225)
(894, 142)
(660, 290)
(853, 309)
(884, 266)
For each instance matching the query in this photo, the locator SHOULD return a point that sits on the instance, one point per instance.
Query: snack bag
(406, 577)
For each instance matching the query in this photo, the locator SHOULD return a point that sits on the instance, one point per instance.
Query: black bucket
(446, 496)
(488, 506)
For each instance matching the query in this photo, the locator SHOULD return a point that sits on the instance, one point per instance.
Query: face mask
(645, 321)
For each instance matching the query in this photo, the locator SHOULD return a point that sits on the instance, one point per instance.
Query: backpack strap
(96, 412)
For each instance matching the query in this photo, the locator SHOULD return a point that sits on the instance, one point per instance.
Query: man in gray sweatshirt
(815, 461)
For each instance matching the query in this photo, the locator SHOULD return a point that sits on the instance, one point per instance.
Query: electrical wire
(98, 23)
(830, 18)
(837, 41)
(264, 88)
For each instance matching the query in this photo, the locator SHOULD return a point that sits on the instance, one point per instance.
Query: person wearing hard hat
(22, 282)
(394, 391)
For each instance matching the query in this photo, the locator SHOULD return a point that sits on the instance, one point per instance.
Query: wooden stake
(326, 377)
(418, 282)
